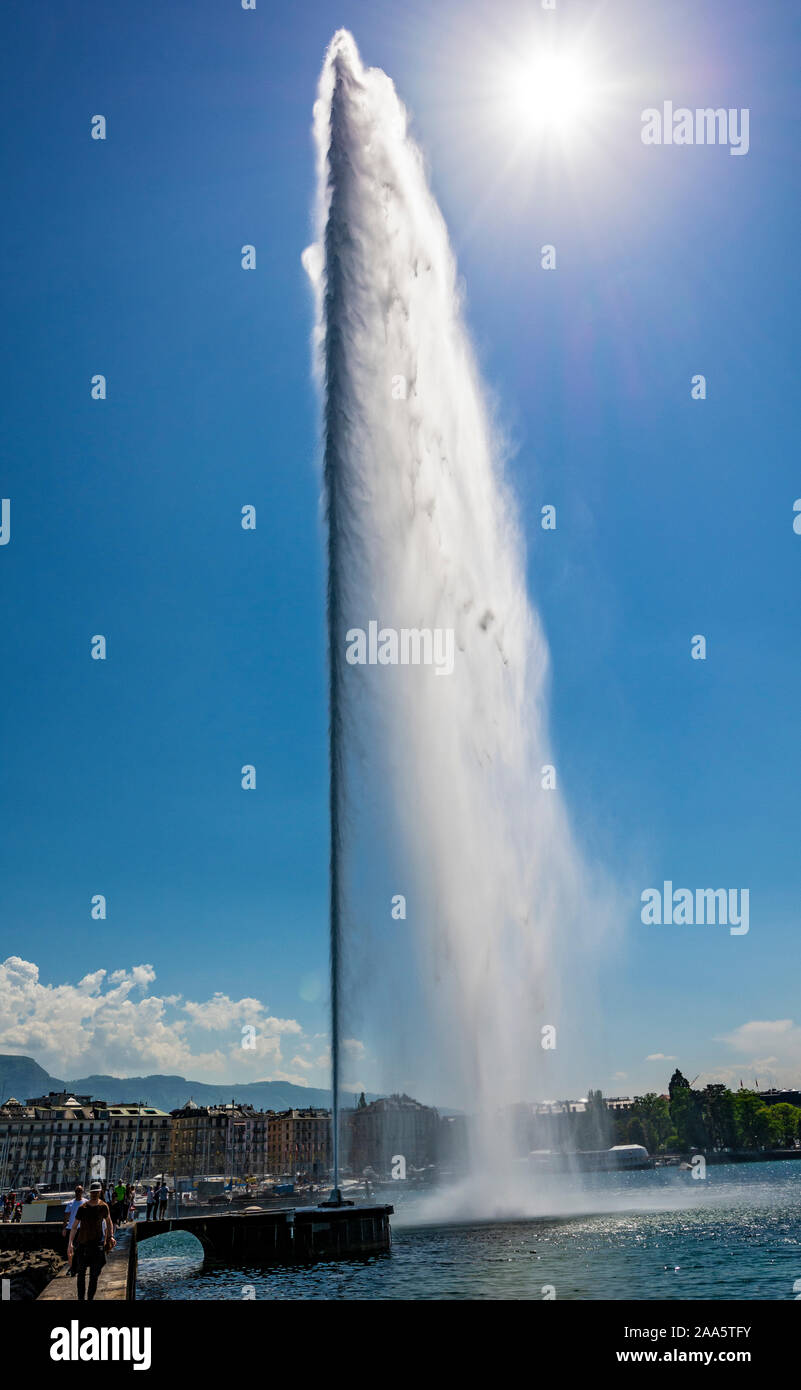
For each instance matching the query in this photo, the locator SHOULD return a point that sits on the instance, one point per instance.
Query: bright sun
(552, 92)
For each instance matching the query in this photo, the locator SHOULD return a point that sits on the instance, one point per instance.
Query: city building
(390, 1128)
(453, 1145)
(60, 1139)
(774, 1097)
(226, 1140)
(299, 1143)
(139, 1141)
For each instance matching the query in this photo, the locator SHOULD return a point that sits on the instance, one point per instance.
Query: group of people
(156, 1199)
(90, 1222)
(12, 1204)
(121, 1199)
(89, 1225)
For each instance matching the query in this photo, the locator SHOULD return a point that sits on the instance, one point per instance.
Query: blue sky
(122, 257)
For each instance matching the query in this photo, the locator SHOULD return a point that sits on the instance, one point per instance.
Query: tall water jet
(334, 474)
(437, 761)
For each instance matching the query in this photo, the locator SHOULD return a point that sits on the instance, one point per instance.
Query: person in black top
(91, 1237)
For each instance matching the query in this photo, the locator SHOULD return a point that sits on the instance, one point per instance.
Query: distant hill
(23, 1077)
(171, 1092)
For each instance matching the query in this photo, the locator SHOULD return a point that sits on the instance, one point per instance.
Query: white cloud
(111, 1022)
(754, 1034)
(769, 1046)
(661, 1057)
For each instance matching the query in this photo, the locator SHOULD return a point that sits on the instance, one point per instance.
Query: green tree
(677, 1083)
(754, 1127)
(687, 1116)
(654, 1112)
(719, 1117)
(786, 1119)
(635, 1132)
(594, 1128)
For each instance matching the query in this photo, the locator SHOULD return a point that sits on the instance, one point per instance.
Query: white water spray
(423, 535)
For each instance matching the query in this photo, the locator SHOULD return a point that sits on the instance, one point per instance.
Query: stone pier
(287, 1236)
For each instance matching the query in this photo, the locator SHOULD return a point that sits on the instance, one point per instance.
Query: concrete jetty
(291, 1235)
(117, 1277)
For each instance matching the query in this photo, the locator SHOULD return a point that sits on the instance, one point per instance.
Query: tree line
(714, 1118)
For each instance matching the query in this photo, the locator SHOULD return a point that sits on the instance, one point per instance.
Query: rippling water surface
(652, 1235)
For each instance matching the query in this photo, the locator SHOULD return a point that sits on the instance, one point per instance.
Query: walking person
(91, 1238)
(70, 1208)
(118, 1209)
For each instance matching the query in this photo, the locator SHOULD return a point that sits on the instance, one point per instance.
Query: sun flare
(552, 92)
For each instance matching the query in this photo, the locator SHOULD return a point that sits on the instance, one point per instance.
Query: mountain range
(22, 1078)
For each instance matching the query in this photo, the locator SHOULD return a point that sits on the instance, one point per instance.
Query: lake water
(658, 1234)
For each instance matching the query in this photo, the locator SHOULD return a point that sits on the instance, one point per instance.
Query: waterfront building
(139, 1141)
(453, 1146)
(299, 1143)
(60, 1139)
(226, 1140)
(394, 1126)
(774, 1097)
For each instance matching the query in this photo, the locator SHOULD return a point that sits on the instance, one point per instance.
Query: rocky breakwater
(28, 1272)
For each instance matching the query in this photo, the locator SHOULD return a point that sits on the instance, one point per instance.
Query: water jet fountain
(422, 536)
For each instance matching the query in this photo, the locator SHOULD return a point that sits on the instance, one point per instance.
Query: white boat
(621, 1158)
